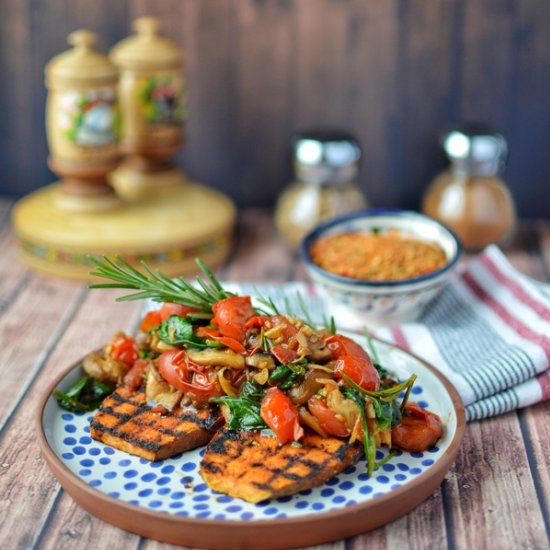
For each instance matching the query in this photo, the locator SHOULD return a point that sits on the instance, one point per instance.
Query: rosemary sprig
(156, 286)
(388, 394)
(268, 305)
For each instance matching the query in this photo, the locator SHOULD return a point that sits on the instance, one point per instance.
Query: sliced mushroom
(105, 369)
(260, 361)
(301, 393)
(217, 358)
(158, 391)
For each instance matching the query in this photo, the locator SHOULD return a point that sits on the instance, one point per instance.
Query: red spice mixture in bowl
(380, 266)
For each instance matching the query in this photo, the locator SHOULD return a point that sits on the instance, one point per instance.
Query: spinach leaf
(244, 409)
(84, 395)
(178, 330)
(397, 413)
(384, 413)
(286, 376)
(382, 372)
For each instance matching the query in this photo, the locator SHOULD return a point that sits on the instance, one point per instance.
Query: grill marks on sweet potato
(125, 421)
(253, 467)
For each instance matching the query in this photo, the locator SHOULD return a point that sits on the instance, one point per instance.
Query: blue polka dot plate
(169, 501)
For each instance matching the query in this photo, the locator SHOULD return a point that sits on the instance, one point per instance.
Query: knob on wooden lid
(80, 65)
(146, 49)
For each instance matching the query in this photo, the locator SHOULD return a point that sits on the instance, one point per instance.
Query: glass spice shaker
(470, 197)
(326, 165)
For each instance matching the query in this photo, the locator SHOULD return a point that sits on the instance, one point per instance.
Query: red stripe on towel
(544, 382)
(399, 337)
(521, 329)
(519, 292)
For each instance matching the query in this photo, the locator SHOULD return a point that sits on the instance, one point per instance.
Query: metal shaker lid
(476, 149)
(326, 156)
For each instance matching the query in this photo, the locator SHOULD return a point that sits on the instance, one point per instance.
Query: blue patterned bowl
(357, 302)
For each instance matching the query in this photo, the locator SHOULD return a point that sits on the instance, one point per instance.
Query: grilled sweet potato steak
(126, 422)
(253, 467)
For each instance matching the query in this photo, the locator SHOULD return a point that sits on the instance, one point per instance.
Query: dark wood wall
(395, 72)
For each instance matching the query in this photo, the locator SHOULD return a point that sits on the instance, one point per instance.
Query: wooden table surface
(496, 495)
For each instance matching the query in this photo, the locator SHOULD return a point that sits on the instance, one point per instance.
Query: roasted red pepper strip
(284, 355)
(231, 343)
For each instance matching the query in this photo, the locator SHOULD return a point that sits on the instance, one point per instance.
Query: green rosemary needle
(156, 286)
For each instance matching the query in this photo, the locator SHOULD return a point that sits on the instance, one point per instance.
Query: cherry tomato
(212, 334)
(151, 320)
(134, 377)
(180, 372)
(168, 309)
(284, 355)
(231, 315)
(280, 414)
(360, 370)
(327, 418)
(418, 429)
(124, 349)
(342, 345)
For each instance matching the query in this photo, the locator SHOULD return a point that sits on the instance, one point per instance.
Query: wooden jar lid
(146, 50)
(81, 65)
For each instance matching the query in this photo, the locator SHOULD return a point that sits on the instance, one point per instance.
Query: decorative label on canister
(90, 118)
(162, 99)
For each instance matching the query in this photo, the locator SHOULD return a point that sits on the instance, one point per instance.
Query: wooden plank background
(395, 72)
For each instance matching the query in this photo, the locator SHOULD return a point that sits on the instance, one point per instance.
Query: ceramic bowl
(357, 302)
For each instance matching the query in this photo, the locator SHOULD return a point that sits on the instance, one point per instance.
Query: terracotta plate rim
(316, 528)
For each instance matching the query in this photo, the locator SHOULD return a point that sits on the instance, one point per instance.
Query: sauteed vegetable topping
(266, 371)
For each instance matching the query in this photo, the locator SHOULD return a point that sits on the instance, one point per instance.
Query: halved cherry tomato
(180, 372)
(418, 429)
(360, 370)
(168, 309)
(133, 379)
(124, 349)
(280, 414)
(231, 343)
(231, 315)
(327, 418)
(151, 320)
(284, 355)
(342, 345)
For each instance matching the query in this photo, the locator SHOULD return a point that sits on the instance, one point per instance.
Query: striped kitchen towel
(488, 332)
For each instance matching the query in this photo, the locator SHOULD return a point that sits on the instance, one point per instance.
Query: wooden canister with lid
(152, 99)
(83, 123)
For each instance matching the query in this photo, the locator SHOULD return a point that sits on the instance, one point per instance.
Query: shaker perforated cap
(476, 149)
(326, 156)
